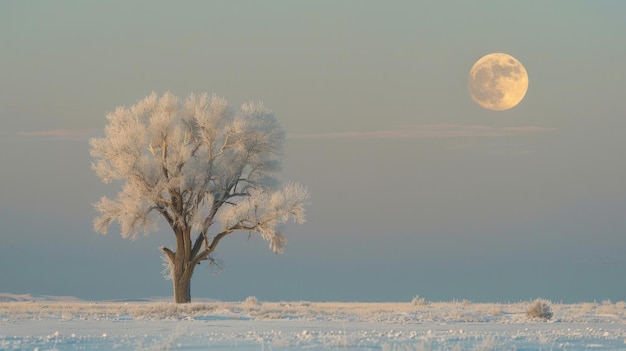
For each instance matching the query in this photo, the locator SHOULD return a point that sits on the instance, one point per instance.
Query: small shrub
(539, 309)
(418, 301)
(250, 301)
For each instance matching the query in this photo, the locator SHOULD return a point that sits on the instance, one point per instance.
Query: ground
(253, 325)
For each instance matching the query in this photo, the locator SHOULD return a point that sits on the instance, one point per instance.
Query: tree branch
(196, 146)
(236, 194)
(216, 240)
(165, 215)
(197, 245)
(168, 253)
(208, 221)
(164, 158)
(177, 203)
(220, 236)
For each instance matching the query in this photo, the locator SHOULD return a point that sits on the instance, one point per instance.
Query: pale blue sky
(414, 188)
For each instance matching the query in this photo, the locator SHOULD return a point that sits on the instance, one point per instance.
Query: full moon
(498, 82)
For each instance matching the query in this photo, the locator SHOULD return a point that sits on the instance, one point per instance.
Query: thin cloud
(427, 131)
(60, 134)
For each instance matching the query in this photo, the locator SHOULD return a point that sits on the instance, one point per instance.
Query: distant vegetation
(539, 309)
(251, 308)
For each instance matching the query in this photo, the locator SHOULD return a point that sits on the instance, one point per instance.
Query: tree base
(182, 291)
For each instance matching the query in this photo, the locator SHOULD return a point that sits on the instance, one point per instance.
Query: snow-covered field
(28, 323)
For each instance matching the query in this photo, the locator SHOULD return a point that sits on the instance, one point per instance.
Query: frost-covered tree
(205, 168)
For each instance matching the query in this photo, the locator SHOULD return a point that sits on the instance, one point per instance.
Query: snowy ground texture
(49, 324)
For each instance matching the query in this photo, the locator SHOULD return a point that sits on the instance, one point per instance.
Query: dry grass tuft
(539, 309)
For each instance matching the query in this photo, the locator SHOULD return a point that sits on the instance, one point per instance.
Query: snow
(48, 324)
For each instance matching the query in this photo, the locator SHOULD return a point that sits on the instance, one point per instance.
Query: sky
(415, 189)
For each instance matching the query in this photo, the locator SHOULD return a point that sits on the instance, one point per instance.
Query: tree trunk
(182, 288)
(182, 270)
(181, 277)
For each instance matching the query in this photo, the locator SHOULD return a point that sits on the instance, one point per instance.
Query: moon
(498, 81)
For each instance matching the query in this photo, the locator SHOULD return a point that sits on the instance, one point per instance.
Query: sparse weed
(587, 307)
(495, 311)
(607, 307)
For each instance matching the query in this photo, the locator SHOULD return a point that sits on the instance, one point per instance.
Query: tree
(205, 168)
